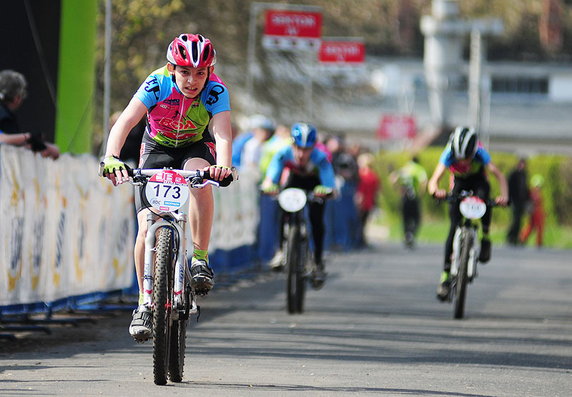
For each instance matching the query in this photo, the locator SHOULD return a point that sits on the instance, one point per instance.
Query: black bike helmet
(464, 142)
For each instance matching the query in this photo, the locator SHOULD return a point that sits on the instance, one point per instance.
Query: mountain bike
(296, 246)
(466, 247)
(167, 277)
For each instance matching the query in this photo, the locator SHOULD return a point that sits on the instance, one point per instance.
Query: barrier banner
(236, 214)
(64, 232)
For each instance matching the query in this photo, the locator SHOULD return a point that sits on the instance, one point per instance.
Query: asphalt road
(374, 329)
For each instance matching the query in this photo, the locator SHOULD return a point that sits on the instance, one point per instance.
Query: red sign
(304, 24)
(342, 52)
(396, 127)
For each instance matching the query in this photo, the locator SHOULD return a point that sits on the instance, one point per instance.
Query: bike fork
(180, 266)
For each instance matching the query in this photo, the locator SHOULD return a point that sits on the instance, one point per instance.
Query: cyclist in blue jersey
(188, 127)
(468, 161)
(304, 166)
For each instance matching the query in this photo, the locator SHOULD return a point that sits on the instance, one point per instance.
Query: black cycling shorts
(154, 155)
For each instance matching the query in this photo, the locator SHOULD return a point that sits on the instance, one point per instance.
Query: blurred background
(392, 75)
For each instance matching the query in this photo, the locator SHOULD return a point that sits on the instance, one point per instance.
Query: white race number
(167, 191)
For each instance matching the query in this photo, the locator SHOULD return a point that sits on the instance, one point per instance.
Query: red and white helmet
(191, 50)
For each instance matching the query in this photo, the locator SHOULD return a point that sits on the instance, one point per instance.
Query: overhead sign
(342, 52)
(288, 29)
(394, 126)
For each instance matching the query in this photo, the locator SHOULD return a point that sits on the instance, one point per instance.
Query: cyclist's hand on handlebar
(501, 200)
(322, 191)
(114, 169)
(440, 194)
(270, 188)
(218, 172)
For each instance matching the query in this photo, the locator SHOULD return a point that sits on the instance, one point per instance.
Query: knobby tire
(461, 284)
(162, 299)
(295, 280)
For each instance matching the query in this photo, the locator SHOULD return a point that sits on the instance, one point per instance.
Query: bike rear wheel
(295, 283)
(162, 299)
(462, 279)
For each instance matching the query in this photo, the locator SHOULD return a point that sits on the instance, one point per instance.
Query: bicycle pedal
(141, 340)
(202, 292)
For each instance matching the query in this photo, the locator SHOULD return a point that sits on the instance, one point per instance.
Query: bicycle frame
(465, 248)
(466, 233)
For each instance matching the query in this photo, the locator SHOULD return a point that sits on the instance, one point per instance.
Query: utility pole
(444, 32)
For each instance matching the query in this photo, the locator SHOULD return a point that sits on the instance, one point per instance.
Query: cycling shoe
(141, 327)
(202, 276)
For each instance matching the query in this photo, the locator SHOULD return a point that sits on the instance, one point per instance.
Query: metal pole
(107, 74)
(251, 53)
(475, 78)
(310, 68)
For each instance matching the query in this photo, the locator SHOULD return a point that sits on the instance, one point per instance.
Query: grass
(434, 230)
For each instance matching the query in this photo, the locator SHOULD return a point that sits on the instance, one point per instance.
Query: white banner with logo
(64, 231)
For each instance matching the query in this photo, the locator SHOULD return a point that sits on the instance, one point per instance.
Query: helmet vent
(206, 53)
(195, 50)
(183, 52)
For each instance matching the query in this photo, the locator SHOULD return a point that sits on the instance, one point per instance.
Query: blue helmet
(304, 134)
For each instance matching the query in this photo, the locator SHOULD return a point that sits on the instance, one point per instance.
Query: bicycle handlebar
(450, 198)
(197, 178)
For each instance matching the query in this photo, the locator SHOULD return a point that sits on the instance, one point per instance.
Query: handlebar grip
(224, 183)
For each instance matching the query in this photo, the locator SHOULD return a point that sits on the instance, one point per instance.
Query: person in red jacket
(537, 215)
(366, 194)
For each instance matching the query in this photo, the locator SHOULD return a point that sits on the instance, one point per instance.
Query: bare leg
(139, 250)
(201, 209)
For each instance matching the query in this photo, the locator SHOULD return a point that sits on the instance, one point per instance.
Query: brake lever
(203, 184)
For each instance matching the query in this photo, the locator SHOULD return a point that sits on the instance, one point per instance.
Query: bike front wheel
(162, 300)
(462, 279)
(295, 283)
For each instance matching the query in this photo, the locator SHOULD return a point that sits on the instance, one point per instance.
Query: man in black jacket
(518, 199)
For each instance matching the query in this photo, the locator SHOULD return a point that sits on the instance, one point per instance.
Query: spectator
(537, 216)
(280, 139)
(12, 94)
(268, 227)
(342, 223)
(261, 129)
(366, 195)
(518, 198)
(411, 179)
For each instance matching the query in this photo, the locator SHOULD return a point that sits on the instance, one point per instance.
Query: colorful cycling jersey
(173, 119)
(318, 165)
(463, 169)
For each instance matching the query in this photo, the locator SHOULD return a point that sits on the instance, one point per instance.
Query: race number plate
(473, 207)
(167, 191)
(292, 199)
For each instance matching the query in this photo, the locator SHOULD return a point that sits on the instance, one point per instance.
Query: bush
(557, 189)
